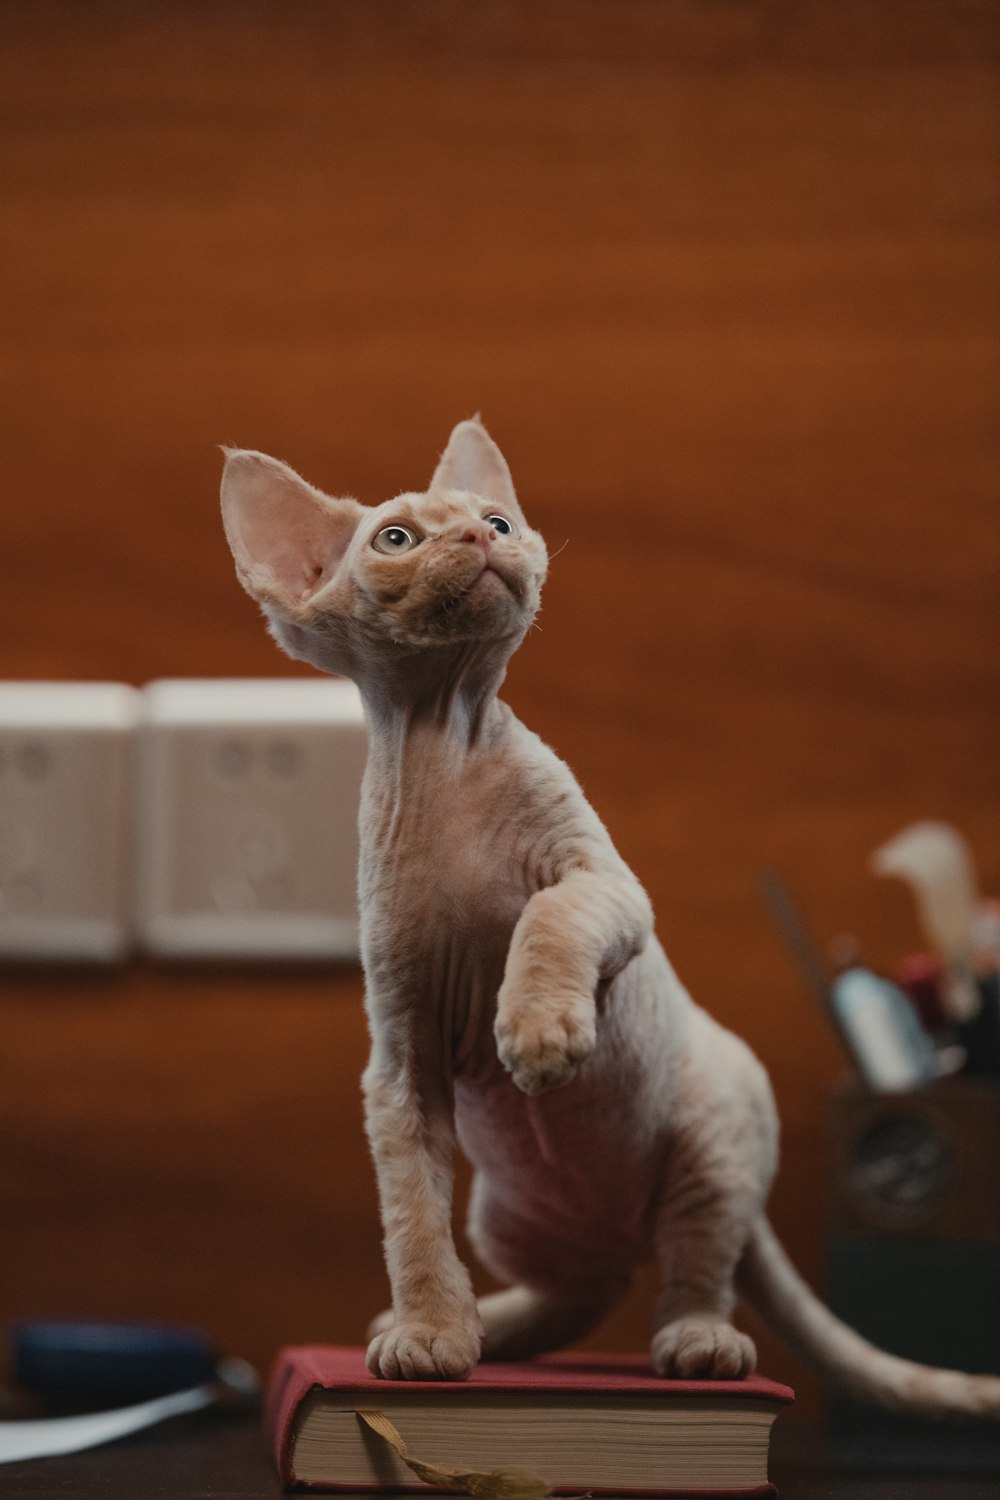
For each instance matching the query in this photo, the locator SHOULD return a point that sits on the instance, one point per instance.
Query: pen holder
(914, 1250)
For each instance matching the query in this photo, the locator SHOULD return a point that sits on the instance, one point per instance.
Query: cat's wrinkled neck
(444, 694)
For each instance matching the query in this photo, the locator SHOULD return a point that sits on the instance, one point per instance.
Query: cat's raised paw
(543, 1046)
(419, 1351)
(703, 1349)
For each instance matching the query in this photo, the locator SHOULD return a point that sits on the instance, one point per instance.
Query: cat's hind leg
(717, 1172)
(522, 1321)
(555, 1297)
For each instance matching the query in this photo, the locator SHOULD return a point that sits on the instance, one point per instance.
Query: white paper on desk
(48, 1436)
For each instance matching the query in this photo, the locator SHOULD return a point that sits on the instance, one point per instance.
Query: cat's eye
(503, 526)
(394, 540)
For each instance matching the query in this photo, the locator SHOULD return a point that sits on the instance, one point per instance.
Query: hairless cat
(518, 1001)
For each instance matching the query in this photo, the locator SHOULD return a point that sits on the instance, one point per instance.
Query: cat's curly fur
(519, 1002)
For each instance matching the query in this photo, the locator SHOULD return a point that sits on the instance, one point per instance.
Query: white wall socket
(65, 793)
(248, 810)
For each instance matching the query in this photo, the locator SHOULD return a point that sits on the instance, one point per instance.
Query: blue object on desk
(85, 1366)
(116, 1379)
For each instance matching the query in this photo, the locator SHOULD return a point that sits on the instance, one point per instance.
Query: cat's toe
(537, 1076)
(542, 1050)
(419, 1351)
(703, 1349)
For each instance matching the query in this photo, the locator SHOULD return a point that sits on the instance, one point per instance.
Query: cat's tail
(774, 1289)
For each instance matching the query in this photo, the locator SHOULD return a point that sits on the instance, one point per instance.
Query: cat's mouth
(489, 571)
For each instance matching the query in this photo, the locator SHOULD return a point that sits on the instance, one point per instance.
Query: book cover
(593, 1382)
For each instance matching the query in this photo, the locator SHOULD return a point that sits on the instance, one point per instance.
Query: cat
(518, 1001)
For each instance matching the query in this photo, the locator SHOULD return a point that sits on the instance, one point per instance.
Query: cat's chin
(489, 611)
(492, 607)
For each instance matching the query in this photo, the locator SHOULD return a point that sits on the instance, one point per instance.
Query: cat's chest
(437, 917)
(443, 903)
(452, 850)
(454, 860)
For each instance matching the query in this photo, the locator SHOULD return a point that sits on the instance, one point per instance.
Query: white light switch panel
(65, 800)
(248, 813)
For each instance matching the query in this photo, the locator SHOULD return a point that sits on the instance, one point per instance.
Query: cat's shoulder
(548, 793)
(534, 760)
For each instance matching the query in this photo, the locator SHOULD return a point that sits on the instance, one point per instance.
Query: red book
(604, 1424)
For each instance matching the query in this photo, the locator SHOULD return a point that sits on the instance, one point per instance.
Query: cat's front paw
(419, 1351)
(703, 1348)
(543, 1045)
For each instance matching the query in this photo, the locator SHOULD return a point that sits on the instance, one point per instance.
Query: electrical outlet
(248, 814)
(65, 798)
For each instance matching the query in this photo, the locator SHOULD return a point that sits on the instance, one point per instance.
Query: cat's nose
(481, 533)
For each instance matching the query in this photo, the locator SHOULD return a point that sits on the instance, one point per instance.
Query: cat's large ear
(287, 537)
(473, 462)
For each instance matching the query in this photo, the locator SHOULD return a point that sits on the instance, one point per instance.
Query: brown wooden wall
(723, 281)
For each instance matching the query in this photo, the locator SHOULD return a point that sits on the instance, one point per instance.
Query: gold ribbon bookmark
(506, 1484)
